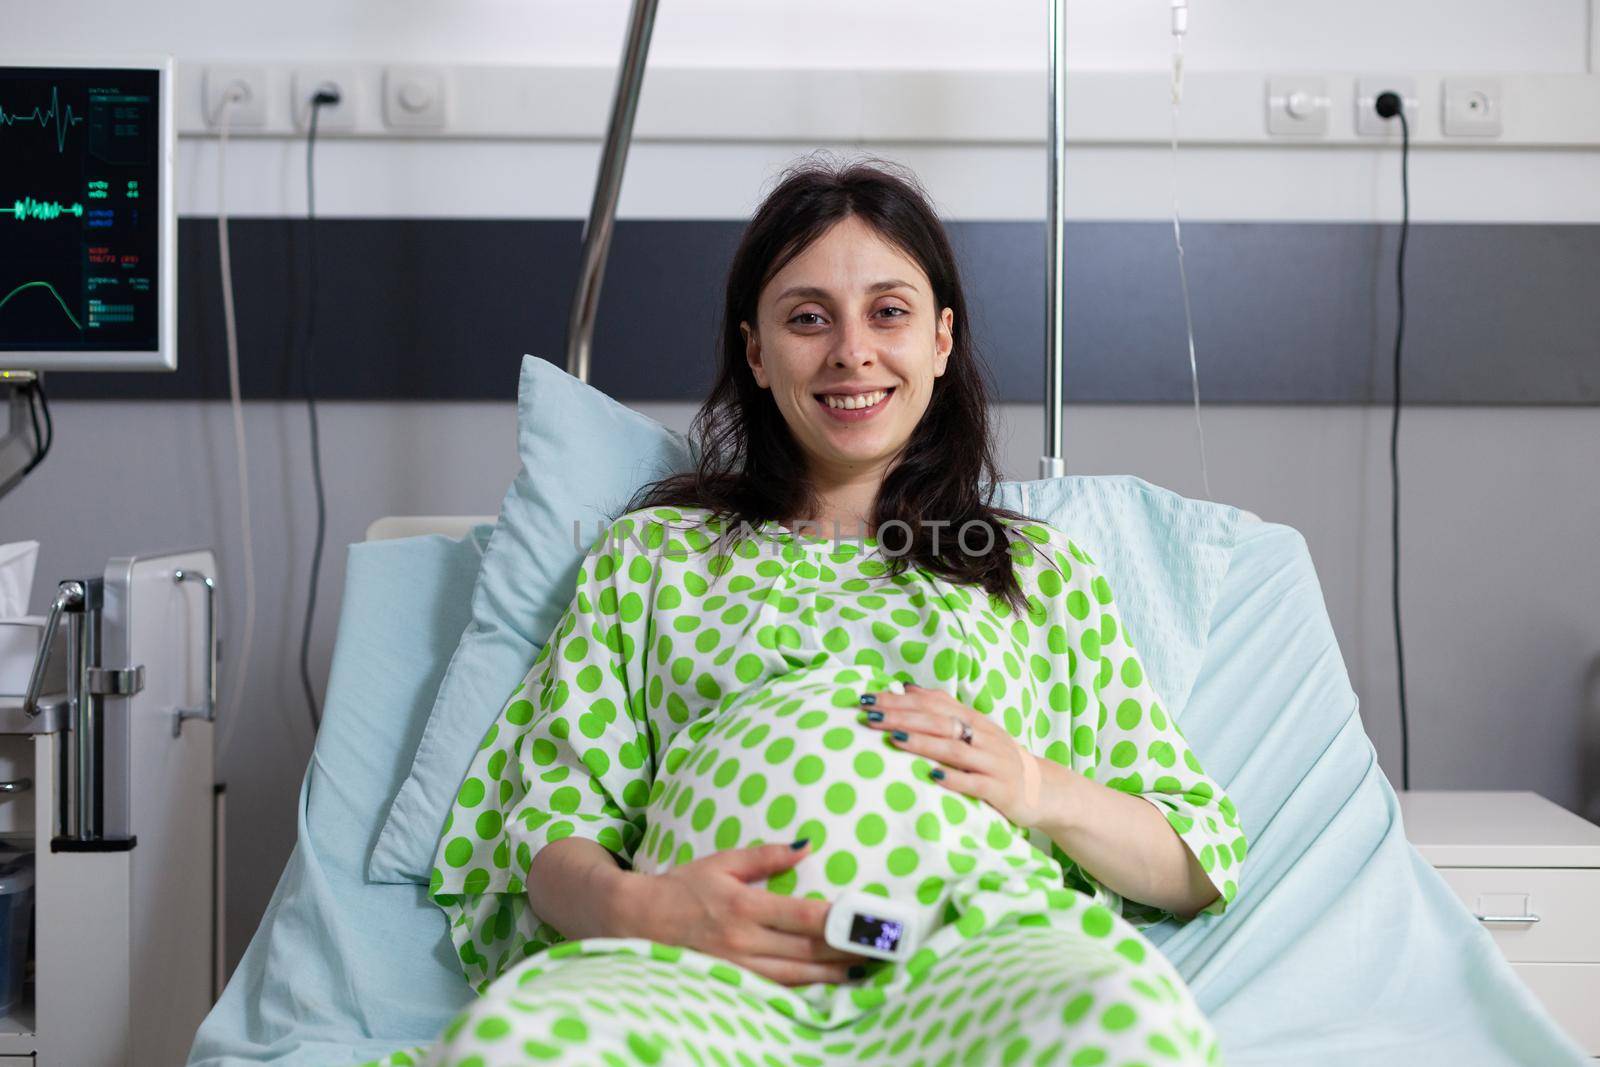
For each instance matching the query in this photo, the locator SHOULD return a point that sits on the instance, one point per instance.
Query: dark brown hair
(749, 467)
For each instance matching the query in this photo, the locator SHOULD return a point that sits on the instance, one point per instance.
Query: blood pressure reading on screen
(873, 932)
(79, 209)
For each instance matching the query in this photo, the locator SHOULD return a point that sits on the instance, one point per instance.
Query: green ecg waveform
(64, 121)
(29, 208)
(44, 285)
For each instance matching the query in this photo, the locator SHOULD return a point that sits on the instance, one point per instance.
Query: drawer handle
(21, 785)
(1505, 918)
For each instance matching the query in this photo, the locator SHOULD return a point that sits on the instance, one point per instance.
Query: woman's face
(848, 321)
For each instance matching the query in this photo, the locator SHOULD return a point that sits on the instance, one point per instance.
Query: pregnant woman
(820, 664)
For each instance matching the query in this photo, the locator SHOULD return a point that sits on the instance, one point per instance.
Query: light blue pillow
(1164, 555)
(583, 455)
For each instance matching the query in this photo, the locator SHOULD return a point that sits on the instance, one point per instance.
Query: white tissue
(19, 632)
(17, 561)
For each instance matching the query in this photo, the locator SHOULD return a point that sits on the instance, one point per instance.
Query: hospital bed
(1343, 947)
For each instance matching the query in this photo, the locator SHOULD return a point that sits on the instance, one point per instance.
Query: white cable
(1180, 23)
(235, 691)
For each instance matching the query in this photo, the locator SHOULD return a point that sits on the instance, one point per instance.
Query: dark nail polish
(874, 716)
(868, 699)
(901, 735)
(935, 773)
(857, 971)
(800, 844)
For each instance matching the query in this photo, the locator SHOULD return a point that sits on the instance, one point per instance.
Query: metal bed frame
(608, 186)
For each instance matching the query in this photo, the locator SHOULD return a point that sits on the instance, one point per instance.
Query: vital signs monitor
(88, 227)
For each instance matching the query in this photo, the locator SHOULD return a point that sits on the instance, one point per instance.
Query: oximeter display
(874, 932)
(868, 924)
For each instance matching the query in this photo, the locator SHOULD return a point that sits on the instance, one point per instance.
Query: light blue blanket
(1342, 947)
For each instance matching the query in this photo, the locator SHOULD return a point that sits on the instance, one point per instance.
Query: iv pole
(1052, 464)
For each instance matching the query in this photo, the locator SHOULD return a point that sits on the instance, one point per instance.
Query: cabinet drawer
(1563, 898)
(1570, 991)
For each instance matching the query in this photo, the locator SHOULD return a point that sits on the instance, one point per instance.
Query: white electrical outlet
(1472, 107)
(342, 80)
(248, 86)
(1368, 122)
(415, 98)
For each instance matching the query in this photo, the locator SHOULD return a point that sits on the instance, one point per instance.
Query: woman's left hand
(993, 767)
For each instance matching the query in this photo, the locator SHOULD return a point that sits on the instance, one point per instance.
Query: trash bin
(16, 923)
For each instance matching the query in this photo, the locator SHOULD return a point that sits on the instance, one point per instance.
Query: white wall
(1503, 633)
(1489, 35)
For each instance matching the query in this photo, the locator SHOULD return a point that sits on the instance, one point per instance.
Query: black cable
(1389, 105)
(49, 424)
(37, 395)
(38, 435)
(321, 99)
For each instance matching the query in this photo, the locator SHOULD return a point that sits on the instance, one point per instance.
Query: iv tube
(1180, 24)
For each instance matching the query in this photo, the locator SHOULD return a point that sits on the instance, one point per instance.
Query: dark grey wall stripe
(1284, 312)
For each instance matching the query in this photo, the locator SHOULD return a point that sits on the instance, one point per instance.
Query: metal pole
(90, 727)
(603, 211)
(1053, 464)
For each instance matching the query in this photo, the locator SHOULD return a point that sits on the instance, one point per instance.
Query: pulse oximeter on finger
(870, 925)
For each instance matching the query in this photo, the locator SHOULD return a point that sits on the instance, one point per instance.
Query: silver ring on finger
(966, 733)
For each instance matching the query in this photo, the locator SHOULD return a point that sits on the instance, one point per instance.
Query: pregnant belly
(791, 759)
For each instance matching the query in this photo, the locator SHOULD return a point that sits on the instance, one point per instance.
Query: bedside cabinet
(1529, 870)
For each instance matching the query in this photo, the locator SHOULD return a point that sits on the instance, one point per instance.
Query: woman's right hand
(708, 905)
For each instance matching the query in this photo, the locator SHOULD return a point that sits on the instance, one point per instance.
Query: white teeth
(850, 403)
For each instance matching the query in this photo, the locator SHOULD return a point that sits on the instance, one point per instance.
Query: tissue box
(19, 647)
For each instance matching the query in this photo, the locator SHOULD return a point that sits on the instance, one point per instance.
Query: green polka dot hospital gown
(701, 695)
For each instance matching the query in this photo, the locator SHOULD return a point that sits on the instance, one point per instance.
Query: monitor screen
(86, 220)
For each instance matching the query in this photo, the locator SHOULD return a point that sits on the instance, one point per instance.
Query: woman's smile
(855, 407)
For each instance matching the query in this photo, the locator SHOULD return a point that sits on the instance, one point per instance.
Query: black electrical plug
(325, 96)
(1387, 104)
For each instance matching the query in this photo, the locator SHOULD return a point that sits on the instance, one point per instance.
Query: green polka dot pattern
(701, 695)
(1024, 994)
